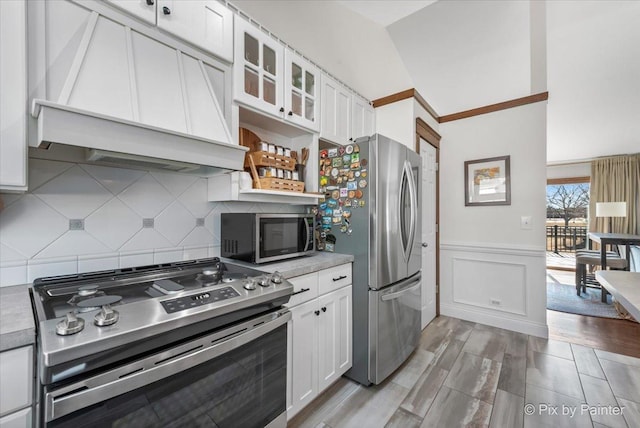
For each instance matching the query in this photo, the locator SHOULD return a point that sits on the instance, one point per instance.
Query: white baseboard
(494, 320)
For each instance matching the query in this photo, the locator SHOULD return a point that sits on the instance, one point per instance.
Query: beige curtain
(616, 179)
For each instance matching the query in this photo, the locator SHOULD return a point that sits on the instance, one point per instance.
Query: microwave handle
(307, 228)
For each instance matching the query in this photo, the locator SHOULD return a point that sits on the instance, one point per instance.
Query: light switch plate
(526, 222)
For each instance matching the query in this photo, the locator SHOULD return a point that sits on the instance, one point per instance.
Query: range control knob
(70, 325)
(276, 277)
(249, 284)
(106, 316)
(264, 281)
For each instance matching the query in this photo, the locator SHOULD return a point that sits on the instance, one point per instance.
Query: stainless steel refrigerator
(372, 210)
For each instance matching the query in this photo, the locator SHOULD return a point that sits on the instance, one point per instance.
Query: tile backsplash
(82, 218)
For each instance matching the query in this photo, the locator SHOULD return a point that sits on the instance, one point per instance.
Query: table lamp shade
(611, 209)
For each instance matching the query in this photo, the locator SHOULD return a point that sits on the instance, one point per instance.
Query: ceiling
(462, 55)
(385, 12)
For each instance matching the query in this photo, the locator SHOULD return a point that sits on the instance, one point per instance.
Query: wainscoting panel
(490, 284)
(495, 284)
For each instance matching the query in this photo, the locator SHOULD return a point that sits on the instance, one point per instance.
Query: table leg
(603, 266)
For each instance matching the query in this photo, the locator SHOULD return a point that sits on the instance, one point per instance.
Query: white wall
(485, 254)
(396, 121)
(35, 233)
(354, 49)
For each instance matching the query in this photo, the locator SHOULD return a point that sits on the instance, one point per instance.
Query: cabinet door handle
(324, 309)
(350, 139)
(339, 278)
(317, 313)
(290, 113)
(302, 290)
(166, 10)
(151, 2)
(281, 109)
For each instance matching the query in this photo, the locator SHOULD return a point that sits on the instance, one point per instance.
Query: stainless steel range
(200, 342)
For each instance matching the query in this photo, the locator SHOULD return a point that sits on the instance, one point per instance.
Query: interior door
(428, 196)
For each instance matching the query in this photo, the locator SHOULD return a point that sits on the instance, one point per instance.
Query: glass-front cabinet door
(258, 69)
(302, 89)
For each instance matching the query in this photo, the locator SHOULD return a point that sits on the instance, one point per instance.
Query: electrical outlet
(496, 302)
(525, 222)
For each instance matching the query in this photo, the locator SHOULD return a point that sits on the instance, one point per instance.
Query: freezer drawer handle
(302, 290)
(339, 278)
(397, 294)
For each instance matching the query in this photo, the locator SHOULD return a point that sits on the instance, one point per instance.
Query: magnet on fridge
(355, 165)
(346, 159)
(332, 203)
(327, 220)
(324, 154)
(361, 203)
(344, 192)
(363, 162)
(329, 247)
(356, 148)
(347, 202)
(349, 149)
(359, 194)
(341, 150)
(323, 181)
(336, 162)
(343, 228)
(352, 185)
(333, 153)
(349, 231)
(355, 157)
(323, 206)
(362, 184)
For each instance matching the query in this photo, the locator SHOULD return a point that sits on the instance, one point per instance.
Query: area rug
(563, 298)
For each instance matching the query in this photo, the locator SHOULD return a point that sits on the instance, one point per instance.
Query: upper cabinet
(362, 118)
(336, 111)
(302, 90)
(345, 115)
(13, 102)
(272, 79)
(141, 9)
(207, 24)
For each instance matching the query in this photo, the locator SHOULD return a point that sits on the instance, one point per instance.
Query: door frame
(427, 133)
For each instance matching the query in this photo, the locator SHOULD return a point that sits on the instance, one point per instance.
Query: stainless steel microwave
(262, 238)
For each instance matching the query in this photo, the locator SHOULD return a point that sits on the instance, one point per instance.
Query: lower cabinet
(320, 340)
(16, 387)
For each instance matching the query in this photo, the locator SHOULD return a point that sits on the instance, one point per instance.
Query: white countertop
(625, 287)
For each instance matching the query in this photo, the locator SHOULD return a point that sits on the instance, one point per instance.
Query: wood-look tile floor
(471, 375)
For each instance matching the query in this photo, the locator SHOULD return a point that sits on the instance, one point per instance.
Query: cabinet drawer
(16, 378)
(334, 278)
(19, 419)
(305, 288)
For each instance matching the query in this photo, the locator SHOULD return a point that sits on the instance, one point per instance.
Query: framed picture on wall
(487, 182)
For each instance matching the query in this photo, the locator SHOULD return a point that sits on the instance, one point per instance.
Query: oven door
(283, 236)
(232, 378)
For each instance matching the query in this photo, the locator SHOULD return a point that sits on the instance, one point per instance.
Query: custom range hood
(124, 89)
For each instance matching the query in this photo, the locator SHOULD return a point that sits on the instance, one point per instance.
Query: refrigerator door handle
(396, 294)
(413, 207)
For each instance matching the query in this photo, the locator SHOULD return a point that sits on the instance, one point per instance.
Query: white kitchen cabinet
(258, 69)
(273, 79)
(345, 115)
(362, 118)
(16, 379)
(301, 91)
(207, 24)
(142, 9)
(20, 419)
(336, 111)
(334, 335)
(304, 370)
(320, 348)
(13, 102)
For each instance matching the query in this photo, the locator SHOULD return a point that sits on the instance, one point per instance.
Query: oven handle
(124, 379)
